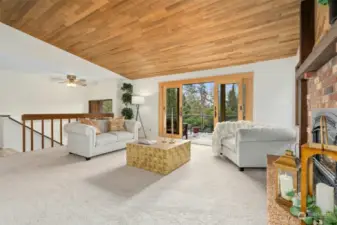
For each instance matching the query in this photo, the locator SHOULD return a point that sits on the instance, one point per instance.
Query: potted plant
(127, 112)
(332, 9)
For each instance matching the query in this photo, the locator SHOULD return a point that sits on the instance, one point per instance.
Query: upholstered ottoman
(160, 158)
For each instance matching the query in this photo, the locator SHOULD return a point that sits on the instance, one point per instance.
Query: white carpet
(54, 188)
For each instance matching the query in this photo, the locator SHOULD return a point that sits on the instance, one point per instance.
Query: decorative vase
(332, 11)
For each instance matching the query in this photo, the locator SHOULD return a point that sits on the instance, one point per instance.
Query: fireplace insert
(324, 166)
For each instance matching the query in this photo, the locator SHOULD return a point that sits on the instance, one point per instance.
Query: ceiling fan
(71, 81)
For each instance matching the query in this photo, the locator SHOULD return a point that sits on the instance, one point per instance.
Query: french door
(171, 111)
(232, 99)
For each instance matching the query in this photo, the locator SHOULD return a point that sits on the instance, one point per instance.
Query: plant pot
(332, 11)
(196, 130)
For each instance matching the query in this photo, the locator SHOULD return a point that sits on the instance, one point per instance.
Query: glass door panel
(198, 108)
(172, 111)
(228, 102)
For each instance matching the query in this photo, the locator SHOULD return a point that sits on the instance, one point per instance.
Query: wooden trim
(162, 109)
(221, 78)
(32, 135)
(321, 54)
(307, 28)
(65, 116)
(304, 113)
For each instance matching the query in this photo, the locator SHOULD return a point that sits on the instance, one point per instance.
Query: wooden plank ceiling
(146, 38)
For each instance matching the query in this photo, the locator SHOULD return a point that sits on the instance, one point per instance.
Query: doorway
(192, 108)
(198, 110)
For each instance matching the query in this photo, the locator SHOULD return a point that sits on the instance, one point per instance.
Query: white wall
(24, 53)
(28, 93)
(108, 89)
(274, 92)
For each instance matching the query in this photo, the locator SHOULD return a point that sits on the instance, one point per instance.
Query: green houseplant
(127, 111)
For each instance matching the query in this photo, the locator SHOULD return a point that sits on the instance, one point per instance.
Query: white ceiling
(24, 53)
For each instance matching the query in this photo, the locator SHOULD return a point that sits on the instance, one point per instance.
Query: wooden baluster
(24, 135)
(61, 138)
(42, 130)
(32, 135)
(52, 132)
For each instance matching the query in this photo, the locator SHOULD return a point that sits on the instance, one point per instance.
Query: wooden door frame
(228, 78)
(162, 104)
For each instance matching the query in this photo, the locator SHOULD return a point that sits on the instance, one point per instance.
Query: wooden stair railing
(52, 118)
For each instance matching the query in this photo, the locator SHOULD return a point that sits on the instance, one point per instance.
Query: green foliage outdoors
(198, 105)
(323, 2)
(107, 106)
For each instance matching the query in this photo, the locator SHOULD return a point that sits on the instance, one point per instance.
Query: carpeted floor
(55, 188)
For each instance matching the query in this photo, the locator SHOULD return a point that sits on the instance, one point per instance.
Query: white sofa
(83, 141)
(247, 144)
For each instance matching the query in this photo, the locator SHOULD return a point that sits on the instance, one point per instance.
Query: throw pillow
(117, 124)
(91, 123)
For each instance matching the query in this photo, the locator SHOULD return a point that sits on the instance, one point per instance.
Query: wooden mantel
(325, 50)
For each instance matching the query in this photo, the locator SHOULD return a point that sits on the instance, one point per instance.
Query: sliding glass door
(197, 105)
(172, 111)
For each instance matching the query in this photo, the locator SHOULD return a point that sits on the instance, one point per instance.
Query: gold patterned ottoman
(159, 158)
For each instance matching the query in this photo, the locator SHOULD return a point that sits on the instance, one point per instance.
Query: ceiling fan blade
(81, 82)
(63, 82)
(57, 79)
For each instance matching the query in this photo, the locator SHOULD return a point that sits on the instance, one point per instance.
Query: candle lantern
(287, 177)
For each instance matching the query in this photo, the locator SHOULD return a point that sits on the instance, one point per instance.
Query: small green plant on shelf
(127, 112)
(314, 214)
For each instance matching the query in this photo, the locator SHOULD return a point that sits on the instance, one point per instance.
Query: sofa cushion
(91, 123)
(229, 143)
(122, 135)
(117, 124)
(103, 125)
(104, 139)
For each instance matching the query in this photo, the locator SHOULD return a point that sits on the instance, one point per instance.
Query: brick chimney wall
(322, 90)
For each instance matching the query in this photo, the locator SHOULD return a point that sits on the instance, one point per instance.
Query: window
(100, 106)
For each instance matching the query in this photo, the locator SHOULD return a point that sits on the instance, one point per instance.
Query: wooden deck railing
(31, 118)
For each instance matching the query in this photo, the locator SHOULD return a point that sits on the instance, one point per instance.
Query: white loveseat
(83, 141)
(247, 144)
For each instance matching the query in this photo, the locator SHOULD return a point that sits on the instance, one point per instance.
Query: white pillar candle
(325, 197)
(286, 185)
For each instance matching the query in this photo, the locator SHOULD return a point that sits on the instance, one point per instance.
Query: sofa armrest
(132, 126)
(265, 134)
(79, 128)
(81, 139)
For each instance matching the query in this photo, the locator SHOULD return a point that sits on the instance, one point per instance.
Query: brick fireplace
(322, 90)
